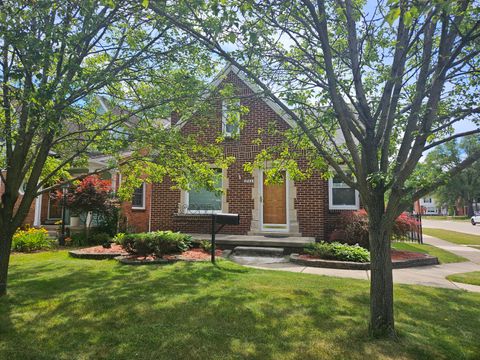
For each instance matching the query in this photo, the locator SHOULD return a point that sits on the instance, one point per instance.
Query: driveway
(460, 226)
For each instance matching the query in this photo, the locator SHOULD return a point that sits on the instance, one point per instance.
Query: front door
(274, 208)
(54, 208)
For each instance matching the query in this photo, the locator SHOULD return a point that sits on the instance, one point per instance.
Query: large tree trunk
(381, 286)
(5, 248)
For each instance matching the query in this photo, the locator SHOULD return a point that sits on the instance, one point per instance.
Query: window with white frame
(138, 198)
(341, 196)
(205, 201)
(427, 200)
(230, 117)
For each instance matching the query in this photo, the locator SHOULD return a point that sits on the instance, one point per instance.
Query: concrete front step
(258, 251)
(227, 241)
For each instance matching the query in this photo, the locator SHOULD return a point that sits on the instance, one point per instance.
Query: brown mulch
(398, 255)
(192, 254)
(114, 249)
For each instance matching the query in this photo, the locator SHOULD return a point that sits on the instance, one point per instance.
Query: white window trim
(143, 199)
(224, 119)
(331, 206)
(187, 202)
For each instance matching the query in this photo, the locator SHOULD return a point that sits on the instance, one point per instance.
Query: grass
(64, 308)
(453, 236)
(440, 217)
(443, 256)
(472, 278)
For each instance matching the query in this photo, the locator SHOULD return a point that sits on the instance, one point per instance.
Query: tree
(392, 77)
(465, 187)
(88, 77)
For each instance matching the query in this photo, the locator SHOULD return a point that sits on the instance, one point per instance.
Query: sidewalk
(425, 275)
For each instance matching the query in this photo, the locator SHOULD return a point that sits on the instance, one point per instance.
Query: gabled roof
(252, 86)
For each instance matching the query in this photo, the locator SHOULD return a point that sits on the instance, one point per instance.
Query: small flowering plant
(31, 239)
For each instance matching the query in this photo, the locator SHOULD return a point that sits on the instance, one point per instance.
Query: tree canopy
(371, 86)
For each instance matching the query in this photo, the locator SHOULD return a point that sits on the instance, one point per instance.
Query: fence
(414, 231)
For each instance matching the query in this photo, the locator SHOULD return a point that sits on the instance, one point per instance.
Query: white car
(475, 219)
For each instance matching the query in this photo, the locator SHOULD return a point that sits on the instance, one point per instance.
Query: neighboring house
(428, 206)
(294, 208)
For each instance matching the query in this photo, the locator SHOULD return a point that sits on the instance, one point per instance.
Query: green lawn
(443, 256)
(439, 217)
(63, 308)
(466, 278)
(453, 236)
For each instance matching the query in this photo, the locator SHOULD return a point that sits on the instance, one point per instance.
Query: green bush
(118, 238)
(31, 240)
(338, 251)
(99, 238)
(206, 245)
(157, 243)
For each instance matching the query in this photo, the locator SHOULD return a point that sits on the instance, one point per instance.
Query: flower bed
(400, 259)
(188, 255)
(118, 252)
(99, 252)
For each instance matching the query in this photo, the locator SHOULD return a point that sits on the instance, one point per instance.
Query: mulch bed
(400, 259)
(191, 255)
(98, 252)
(397, 255)
(117, 252)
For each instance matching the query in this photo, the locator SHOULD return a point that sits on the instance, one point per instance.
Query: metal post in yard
(213, 239)
(61, 241)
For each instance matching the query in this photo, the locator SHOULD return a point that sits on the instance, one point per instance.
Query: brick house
(294, 208)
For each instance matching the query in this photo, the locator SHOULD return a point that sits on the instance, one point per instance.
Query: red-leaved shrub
(352, 228)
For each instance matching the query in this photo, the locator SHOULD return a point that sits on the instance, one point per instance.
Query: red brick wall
(312, 195)
(137, 220)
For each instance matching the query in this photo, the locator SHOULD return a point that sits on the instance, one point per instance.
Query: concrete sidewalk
(425, 275)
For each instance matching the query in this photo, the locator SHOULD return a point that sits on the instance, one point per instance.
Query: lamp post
(61, 240)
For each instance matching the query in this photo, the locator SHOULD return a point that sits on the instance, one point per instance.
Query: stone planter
(74, 221)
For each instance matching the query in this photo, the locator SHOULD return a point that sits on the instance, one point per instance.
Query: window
(205, 201)
(342, 196)
(427, 200)
(138, 198)
(230, 117)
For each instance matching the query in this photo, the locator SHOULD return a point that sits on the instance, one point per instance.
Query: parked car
(475, 219)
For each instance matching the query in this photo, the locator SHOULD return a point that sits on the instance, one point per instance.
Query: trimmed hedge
(338, 251)
(156, 243)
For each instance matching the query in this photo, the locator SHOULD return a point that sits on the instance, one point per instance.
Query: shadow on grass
(102, 310)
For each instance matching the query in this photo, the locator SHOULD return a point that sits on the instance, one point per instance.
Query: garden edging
(349, 265)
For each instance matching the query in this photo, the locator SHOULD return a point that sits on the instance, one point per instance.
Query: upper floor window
(427, 200)
(138, 198)
(206, 201)
(230, 117)
(341, 196)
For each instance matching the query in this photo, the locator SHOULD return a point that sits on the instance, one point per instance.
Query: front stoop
(258, 251)
(289, 244)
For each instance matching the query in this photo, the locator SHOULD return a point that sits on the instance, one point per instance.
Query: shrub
(157, 243)
(206, 245)
(118, 238)
(352, 228)
(338, 251)
(79, 239)
(99, 238)
(31, 239)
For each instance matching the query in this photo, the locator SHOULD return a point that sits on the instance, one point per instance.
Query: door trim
(277, 228)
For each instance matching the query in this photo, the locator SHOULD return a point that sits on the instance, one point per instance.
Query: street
(460, 226)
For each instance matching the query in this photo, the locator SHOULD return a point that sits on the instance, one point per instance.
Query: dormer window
(230, 117)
